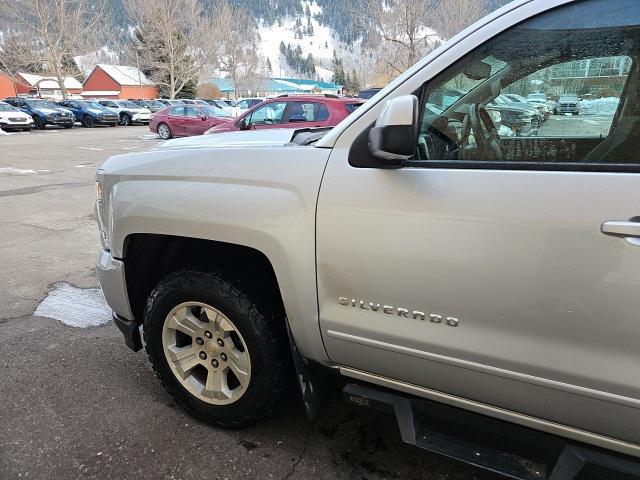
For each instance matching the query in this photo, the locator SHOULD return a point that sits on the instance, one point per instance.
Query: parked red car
(298, 111)
(187, 120)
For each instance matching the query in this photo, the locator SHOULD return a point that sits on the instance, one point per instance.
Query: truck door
(506, 272)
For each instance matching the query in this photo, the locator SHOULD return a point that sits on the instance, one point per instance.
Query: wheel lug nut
(214, 363)
(223, 356)
(203, 355)
(208, 334)
(220, 342)
(199, 341)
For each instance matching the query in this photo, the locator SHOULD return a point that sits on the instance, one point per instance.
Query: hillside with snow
(321, 43)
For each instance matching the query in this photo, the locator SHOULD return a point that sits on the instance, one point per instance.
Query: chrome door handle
(621, 228)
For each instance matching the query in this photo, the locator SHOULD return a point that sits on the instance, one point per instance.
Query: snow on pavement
(76, 307)
(11, 171)
(599, 106)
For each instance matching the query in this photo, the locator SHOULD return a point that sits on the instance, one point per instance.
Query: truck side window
(559, 91)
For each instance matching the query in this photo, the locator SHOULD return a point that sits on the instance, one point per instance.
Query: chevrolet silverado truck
(483, 288)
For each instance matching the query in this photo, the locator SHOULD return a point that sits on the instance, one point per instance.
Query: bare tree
(49, 33)
(450, 17)
(174, 40)
(401, 31)
(239, 57)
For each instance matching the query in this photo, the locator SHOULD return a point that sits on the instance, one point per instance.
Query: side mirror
(244, 125)
(394, 137)
(203, 117)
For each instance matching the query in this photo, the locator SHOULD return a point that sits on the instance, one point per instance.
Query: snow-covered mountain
(321, 42)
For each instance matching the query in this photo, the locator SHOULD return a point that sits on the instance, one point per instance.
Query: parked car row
(517, 113)
(24, 113)
(301, 111)
(177, 118)
(42, 112)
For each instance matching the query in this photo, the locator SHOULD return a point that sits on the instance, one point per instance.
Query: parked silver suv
(411, 248)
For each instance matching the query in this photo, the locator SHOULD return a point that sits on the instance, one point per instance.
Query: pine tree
(355, 83)
(283, 49)
(269, 68)
(338, 70)
(190, 90)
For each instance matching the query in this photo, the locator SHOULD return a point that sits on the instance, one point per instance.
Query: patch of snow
(95, 149)
(76, 307)
(599, 106)
(105, 55)
(49, 82)
(125, 75)
(271, 36)
(11, 171)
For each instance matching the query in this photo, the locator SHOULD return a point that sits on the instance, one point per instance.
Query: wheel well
(148, 258)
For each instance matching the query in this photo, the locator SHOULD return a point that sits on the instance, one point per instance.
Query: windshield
(128, 104)
(154, 104)
(95, 105)
(41, 104)
(213, 111)
(5, 107)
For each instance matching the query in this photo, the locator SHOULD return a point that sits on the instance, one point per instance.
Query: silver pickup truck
(413, 250)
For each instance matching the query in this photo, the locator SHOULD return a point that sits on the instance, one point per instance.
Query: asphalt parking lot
(76, 403)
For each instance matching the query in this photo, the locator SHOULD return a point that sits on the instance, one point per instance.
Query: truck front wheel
(213, 349)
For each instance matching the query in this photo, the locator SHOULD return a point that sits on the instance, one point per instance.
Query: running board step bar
(510, 450)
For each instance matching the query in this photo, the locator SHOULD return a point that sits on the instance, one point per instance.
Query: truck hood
(273, 137)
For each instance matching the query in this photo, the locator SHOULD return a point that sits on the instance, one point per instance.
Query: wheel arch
(150, 257)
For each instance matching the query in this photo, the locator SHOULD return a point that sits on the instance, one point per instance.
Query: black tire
(251, 321)
(125, 119)
(38, 124)
(88, 122)
(162, 128)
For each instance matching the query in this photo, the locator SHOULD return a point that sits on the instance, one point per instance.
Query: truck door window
(555, 92)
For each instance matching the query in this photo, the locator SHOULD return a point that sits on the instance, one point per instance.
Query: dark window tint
(322, 113)
(574, 104)
(351, 107)
(308, 112)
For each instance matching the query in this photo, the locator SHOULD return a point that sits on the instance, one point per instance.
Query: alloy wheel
(164, 132)
(206, 353)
